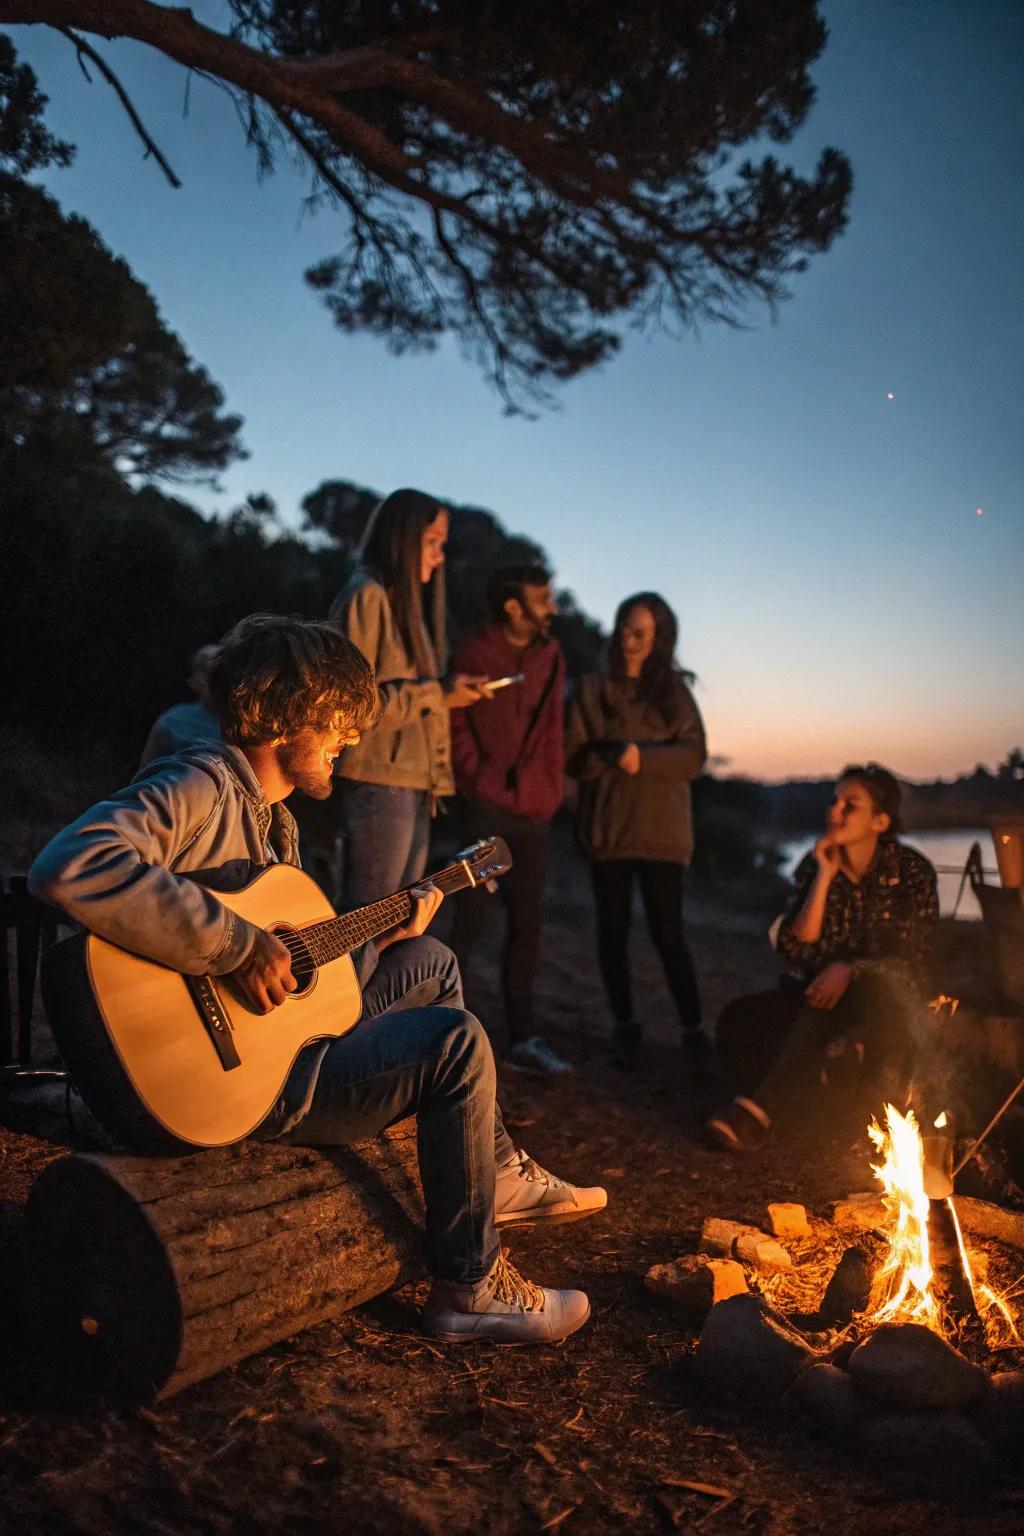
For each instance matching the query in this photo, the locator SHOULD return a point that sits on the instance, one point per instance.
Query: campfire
(882, 1323)
(915, 1173)
(907, 1270)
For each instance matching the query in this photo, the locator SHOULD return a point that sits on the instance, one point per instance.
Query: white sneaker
(503, 1307)
(535, 1055)
(524, 1192)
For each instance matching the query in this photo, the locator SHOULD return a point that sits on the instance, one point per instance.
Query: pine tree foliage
(530, 178)
(89, 373)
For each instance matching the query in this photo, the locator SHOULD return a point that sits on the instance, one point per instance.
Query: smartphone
(505, 682)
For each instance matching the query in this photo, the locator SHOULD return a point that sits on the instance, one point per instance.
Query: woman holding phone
(388, 785)
(635, 741)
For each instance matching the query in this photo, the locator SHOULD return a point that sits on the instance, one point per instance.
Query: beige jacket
(410, 746)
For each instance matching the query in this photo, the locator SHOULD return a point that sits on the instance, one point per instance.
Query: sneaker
(524, 1192)
(504, 1307)
(742, 1128)
(535, 1055)
(625, 1048)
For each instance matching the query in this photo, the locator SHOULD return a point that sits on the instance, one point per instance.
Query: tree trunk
(144, 1275)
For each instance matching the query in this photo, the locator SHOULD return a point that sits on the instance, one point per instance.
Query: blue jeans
(416, 1051)
(383, 840)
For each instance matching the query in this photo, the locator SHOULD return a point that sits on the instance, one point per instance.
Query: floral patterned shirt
(889, 915)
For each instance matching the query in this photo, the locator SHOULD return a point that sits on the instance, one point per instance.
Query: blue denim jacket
(141, 868)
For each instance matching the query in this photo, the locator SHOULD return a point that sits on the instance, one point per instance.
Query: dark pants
(661, 888)
(521, 893)
(772, 1045)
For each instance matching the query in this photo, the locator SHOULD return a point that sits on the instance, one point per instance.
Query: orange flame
(907, 1270)
(943, 1001)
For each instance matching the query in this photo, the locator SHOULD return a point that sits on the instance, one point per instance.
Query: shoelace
(535, 1174)
(509, 1286)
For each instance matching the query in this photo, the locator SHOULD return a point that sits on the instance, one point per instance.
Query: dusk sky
(839, 594)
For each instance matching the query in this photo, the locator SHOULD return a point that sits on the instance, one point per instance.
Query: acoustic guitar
(168, 1062)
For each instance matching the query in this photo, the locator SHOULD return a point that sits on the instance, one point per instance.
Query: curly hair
(275, 675)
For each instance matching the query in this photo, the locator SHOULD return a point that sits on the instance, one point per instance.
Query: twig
(716, 1509)
(556, 1520)
(86, 50)
(709, 1490)
(1000, 1112)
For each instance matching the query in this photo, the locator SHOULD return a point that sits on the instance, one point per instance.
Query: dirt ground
(365, 1426)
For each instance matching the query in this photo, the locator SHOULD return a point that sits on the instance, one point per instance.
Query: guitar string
(318, 944)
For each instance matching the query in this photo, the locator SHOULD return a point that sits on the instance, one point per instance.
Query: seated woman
(856, 937)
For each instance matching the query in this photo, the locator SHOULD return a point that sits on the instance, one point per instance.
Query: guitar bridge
(215, 1020)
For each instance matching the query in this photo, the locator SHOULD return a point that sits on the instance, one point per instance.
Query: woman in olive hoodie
(635, 740)
(388, 785)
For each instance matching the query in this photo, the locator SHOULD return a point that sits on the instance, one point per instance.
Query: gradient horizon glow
(832, 503)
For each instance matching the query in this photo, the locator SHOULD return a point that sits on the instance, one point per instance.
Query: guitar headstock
(486, 859)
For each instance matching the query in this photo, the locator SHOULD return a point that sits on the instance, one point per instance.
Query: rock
(762, 1252)
(829, 1397)
(1000, 1415)
(908, 1366)
(925, 1453)
(849, 1289)
(718, 1237)
(696, 1283)
(788, 1220)
(745, 1346)
(859, 1212)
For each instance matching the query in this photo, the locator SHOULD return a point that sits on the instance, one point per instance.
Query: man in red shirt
(508, 759)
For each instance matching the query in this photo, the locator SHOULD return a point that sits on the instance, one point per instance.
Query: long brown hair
(391, 551)
(662, 680)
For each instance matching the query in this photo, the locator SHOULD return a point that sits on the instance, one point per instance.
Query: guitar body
(168, 1062)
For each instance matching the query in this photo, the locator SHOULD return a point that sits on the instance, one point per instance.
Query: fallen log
(145, 1275)
(979, 1218)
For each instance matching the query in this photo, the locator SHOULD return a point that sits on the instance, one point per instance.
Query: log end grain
(100, 1292)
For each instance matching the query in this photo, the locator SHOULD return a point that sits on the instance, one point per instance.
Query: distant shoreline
(798, 805)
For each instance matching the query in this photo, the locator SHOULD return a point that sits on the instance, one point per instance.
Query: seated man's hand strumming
(265, 976)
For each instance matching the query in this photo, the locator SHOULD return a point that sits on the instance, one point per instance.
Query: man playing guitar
(141, 870)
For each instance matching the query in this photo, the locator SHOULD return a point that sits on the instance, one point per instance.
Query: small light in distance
(890, 395)
(980, 512)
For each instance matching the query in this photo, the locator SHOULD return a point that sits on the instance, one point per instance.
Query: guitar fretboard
(336, 936)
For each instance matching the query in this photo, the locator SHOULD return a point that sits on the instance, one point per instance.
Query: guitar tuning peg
(491, 885)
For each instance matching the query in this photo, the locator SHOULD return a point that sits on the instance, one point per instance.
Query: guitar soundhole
(303, 967)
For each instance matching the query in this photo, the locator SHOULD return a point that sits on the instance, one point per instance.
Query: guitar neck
(338, 935)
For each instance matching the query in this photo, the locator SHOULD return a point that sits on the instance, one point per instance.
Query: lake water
(947, 848)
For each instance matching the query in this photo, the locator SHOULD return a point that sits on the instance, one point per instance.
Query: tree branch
(152, 148)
